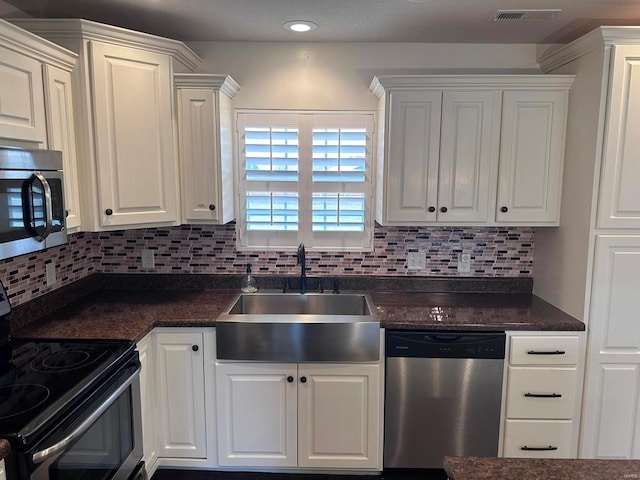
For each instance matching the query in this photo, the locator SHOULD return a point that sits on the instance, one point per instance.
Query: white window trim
(333, 241)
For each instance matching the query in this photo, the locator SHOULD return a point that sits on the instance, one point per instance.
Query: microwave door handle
(28, 207)
(48, 212)
(53, 450)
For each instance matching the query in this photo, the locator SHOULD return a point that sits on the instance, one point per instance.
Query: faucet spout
(303, 267)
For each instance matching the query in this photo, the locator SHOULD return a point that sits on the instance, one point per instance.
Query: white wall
(336, 76)
(562, 255)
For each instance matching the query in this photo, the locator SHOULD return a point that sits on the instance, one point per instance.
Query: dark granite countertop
(474, 468)
(470, 311)
(131, 314)
(5, 448)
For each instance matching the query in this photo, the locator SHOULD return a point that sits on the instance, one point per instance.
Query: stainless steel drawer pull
(539, 448)
(543, 395)
(553, 352)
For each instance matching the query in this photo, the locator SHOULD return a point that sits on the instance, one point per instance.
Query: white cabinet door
(411, 164)
(61, 136)
(256, 413)
(531, 156)
(339, 416)
(147, 401)
(137, 168)
(181, 399)
(21, 99)
(468, 155)
(610, 428)
(205, 120)
(619, 205)
(3, 474)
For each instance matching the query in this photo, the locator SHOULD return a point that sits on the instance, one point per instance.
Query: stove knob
(195, 348)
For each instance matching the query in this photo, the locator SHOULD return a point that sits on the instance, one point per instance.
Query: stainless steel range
(70, 409)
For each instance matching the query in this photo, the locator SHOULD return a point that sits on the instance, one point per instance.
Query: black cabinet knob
(290, 379)
(108, 211)
(443, 209)
(432, 209)
(195, 348)
(212, 207)
(504, 209)
(66, 213)
(303, 379)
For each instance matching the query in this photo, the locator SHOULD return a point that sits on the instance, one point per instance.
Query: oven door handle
(43, 455)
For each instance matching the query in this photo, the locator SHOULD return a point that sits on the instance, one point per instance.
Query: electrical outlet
(464, 262)
(50, 270)
(416, 261)
(148, 259)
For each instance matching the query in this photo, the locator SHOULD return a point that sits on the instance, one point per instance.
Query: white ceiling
(425, 21)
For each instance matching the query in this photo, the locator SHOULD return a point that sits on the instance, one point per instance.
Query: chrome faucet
(302, 263)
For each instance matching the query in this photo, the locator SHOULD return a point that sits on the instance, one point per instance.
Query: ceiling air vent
(531, 14)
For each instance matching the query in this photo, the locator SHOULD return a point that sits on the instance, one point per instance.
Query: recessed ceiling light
(300, 26)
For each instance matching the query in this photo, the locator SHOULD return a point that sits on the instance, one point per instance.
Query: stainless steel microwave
(32, 213)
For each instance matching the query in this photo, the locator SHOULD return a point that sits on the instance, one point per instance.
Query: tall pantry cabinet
(590, 265)
(124, 117)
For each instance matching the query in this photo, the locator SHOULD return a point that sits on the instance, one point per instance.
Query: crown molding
(601, 37)
(381, 83)
(75, 28)
(33, 46)
(225, 83)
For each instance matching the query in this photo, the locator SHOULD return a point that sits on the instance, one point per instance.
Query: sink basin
(294, 327)
(285, 304)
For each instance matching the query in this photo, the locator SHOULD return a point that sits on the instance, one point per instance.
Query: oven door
(102, 441)
(32, 214)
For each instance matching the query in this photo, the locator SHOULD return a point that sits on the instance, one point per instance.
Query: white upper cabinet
(135, 156)
(451, 146)
(21, 98)
(619, 205)
(23, 56)
(531, 156)
(468, 155)
(61, 136)
(124, 121)
(413, 156)
(205, 138)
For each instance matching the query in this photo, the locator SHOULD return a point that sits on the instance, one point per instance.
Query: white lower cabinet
(178, 403)
(299, 415)
(147, 397)
(541, 395)
(180, 384)
(539, 438)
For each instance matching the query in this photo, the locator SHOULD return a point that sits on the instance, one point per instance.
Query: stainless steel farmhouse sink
(296, 327)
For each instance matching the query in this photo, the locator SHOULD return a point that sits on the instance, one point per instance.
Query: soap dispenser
(249, 284)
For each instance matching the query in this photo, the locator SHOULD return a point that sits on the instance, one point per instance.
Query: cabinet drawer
(522, 438)
(541, 392)
(544, 350)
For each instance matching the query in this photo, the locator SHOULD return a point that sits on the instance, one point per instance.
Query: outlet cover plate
(464, 263)
(416, 260)
(148, 259)
(50, 273)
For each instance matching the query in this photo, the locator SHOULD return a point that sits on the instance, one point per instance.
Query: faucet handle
(286, 286)
(336, 285)
(320, 288)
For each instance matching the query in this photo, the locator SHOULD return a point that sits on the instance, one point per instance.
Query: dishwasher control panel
(431, 344)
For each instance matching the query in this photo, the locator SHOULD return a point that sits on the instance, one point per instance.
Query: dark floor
(413, 474)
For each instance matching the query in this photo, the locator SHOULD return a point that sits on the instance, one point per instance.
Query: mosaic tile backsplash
(495, 252)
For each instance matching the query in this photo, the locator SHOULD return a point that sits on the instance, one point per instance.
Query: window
(305, 177)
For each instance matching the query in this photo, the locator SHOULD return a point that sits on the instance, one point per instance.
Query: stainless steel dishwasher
(443, 395)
